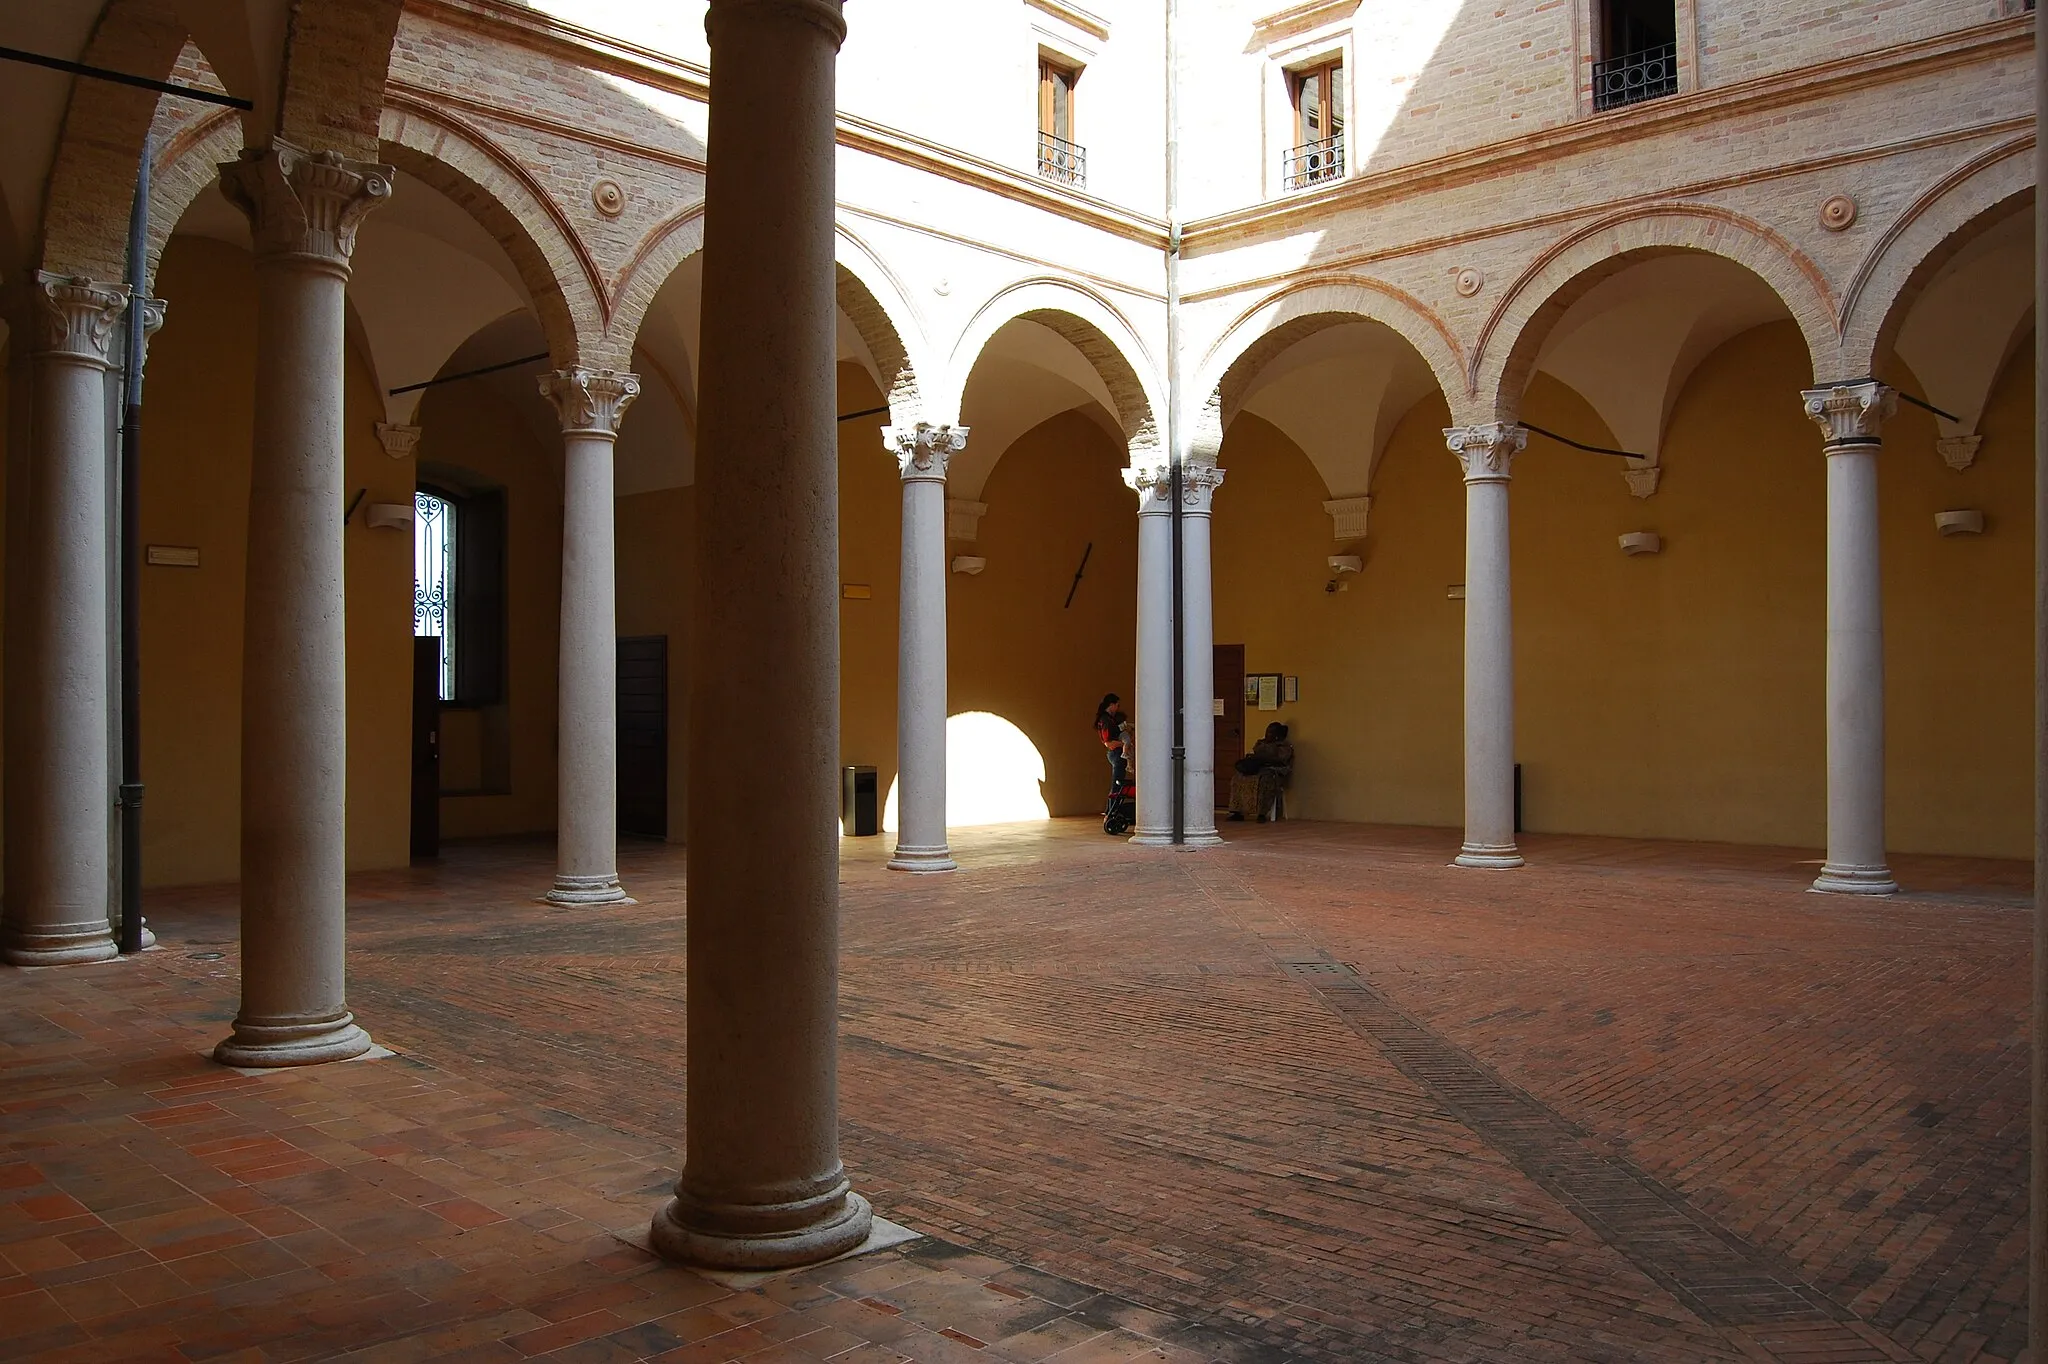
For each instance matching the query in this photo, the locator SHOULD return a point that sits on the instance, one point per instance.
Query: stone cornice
(1823, 81)
(1285, 24)
(1092, 25)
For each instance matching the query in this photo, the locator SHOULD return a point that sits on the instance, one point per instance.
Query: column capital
(77, 317)
(304, 206)
(1486, 451)
(1153, 484)
(963, 518)
(399, 440)
(590, 402)
(1851, 415)
(1349, 516)
(923, 451)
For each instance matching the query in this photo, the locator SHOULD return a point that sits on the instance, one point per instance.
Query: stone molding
(1851, 415)
(1153, 484)
(590, 402)
(827, 15)
(1643, 479)
(923, 451)
(1348, 516)
(399, 441)
(1486, 451)
(1958, 452)
(304, 206)
(77, 317)
(963, 518)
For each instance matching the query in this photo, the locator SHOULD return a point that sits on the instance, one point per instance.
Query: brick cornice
(1822, 81)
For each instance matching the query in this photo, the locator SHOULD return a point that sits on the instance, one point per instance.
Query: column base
(1489, 856)
(843, 1226)
(1854, 880)
(1147, 838)
(923, 859)
(588, 890)
(264, 1045)
(59, 945)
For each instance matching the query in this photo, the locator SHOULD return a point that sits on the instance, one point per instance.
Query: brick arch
(660, 253)
(553, 262)
(1300, 310)
(1091, 325)
(182, 169)
(1505, 357)
(1954, 211)
(336, 61)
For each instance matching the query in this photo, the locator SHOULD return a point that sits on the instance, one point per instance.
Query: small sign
(173, 556)
(855, 591)
(1290, 689)
(1216, 707)
(1456, 592)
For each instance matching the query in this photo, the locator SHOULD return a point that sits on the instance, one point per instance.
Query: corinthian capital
(77, 316)
(923, 451)
(1153, 483)
(590, 402)
(1486, 451)
(304, 206)
(1851, 414)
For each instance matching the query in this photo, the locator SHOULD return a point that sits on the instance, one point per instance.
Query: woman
(1110, 727)
(1261, 775)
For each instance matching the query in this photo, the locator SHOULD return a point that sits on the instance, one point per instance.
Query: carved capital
(1851, 415)
(923, 451)
(1348, 517)
(1643, 479)
(304, 206)
(1153, 483)
(1486, 451)
(399, 441)
(963, 518)
(1958, 452)
(76, 317)
(590, 402)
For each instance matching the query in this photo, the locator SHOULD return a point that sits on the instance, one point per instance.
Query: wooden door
(643, 736)
(1230, 721)
(426, 746)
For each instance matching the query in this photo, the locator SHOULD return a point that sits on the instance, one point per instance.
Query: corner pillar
(922, 454)
(1486, 452)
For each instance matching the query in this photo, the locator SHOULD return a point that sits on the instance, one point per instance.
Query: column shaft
(591, 404)
(1152, 718)
(1198, 654)
(921, 844)
(1852, 415)
(60, 785)
(1486, 453)
(762, 1184)
(303, 208)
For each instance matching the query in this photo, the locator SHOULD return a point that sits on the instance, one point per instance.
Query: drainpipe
(2037, 1247)
(131, 550)
(1173, 441)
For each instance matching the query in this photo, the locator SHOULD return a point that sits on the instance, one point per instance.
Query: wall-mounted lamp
(390, 516)
(1346, 563)
(1959, 522)
(1642, 542)
(969, 564)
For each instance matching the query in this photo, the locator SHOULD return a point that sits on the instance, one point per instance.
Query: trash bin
(860, 814)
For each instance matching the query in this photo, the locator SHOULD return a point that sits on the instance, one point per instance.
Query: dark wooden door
(643, 736)
(426, 746)
(1229, 724)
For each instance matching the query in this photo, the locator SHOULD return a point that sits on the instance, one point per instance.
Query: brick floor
(1315, 1096)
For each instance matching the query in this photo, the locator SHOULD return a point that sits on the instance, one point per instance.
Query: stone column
(922, 454)
(1851, 416)
(303, 208)
(1485, 452)
(1199, 483)
(59, 782)
(590, 404)
(762, 1185)
(1152, 705)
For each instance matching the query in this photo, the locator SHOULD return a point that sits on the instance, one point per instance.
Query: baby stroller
(1122, 810)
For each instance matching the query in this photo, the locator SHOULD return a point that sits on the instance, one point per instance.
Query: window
(1060, 158)
(1318, 151)
(433, 579)
(458, 591)
(1638, 52)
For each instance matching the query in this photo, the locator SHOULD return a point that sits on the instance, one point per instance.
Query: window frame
(1303, 50)
(1050, 68)
(1589, 39)
(1324, 75)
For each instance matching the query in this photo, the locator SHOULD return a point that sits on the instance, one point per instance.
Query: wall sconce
(969, 564)
(1642, 542)
(390, 516)
(1959, 522)
(1346, 563)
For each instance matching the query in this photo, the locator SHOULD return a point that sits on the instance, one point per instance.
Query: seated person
(1261, 775)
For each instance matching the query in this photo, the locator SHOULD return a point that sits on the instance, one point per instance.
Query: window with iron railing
(1318, 151)
(1060, 158)
(1639, 53)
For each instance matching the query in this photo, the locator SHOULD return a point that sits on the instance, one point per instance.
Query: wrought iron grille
(1313, 162)
(1062, 161)
(433, 580)
(1649, 74)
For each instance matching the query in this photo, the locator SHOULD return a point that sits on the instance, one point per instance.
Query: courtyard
(1315, 1095)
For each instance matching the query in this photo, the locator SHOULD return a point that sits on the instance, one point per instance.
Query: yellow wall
(1677, 696)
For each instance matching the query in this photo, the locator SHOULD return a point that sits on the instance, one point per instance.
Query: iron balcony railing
(1062, 161)
(1313, 162)
(1649, 74)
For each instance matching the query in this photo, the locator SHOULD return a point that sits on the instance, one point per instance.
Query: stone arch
(1505, 357)
(1091, 325)
(182, 169)
(660, 253)
(1299, 310)
(553, 262)
(1955, 210)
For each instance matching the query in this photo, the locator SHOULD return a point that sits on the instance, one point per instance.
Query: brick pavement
(1315, 1096)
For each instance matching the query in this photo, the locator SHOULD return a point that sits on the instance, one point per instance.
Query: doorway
(426, 746)
(643, 736)
(1229, 710)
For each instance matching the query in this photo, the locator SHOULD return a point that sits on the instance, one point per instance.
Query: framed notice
(1269, 691)
(1290, 689)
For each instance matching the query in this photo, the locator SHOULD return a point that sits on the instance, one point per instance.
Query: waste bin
(859, 811)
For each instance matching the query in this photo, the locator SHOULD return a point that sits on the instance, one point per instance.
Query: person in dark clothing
(1261, 775)
(1112, 727)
